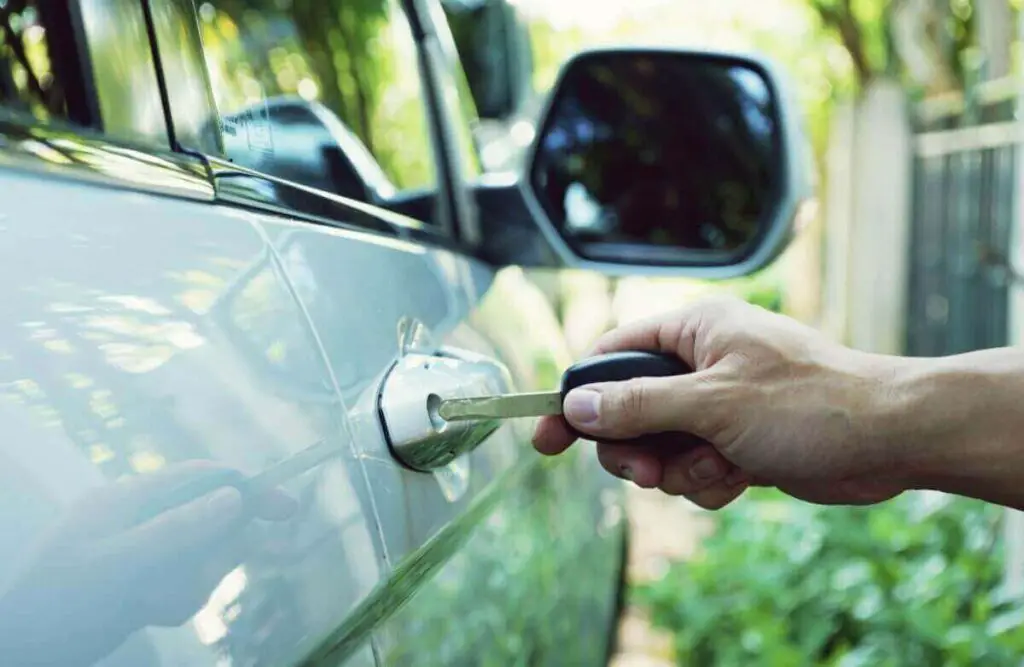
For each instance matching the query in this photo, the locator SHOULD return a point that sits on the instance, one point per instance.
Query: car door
(401, 311)
(154, 357)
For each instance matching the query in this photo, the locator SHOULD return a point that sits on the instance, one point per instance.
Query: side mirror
(493, 44)
(668, 162)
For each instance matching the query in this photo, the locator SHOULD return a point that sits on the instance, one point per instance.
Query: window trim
(195, 177)
(71, 64)
(459, 200)
(441, 232)
(346, 214)
(161, 78)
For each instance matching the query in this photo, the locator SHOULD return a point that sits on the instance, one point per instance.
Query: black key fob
(617, 367)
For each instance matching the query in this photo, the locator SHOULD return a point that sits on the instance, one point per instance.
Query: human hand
(770, 402)
(106, 569)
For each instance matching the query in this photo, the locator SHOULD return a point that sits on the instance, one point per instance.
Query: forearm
(957, 424)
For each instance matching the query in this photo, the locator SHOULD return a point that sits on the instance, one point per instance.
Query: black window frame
(433, 207)
(72, 66)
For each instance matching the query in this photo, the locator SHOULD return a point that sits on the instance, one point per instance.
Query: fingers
(176, 531)
(674, 464)
(718, 496)
(185, 585)
(693, 471)
(680, 467)
(622, 410)
(172, 479)
(847, 492)
(674, 332)
(638, 464)
(552, 436)
(274, 505)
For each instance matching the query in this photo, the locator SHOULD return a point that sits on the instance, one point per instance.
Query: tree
(920, 42)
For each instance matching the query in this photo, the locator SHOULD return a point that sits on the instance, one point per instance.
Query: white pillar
(995, 35)
(1013, 527)
(881, 220)
(838, 216)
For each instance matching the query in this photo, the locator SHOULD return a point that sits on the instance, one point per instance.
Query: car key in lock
(613, 367)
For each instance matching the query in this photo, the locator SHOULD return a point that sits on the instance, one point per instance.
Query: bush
(911, 582)
(763, 289)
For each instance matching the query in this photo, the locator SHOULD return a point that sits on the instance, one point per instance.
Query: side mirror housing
(493, 44)
(668, 162)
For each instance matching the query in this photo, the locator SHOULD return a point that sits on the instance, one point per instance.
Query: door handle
(411, 394)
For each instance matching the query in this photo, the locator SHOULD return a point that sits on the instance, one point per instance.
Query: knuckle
(714, 498)
(609, 461)
(718, 305)
(632, 401)
(701, 500)
(716, 417)
(679, 486)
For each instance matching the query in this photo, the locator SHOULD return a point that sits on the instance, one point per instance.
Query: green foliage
(503, 599)
(911, 582)
(866, 30)
(763, 289)
(354, 56)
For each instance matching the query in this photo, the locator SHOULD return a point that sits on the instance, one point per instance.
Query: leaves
(867, 31)
(909, 582)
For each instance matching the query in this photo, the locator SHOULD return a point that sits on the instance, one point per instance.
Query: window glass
(34, 78)
(196, 124)
(458, 94)
(350, 64)
(108, 85)
(123, 72)
(459, 103)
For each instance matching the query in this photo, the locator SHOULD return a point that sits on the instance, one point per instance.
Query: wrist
(952, 424)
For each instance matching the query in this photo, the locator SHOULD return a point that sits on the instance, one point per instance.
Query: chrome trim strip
(63, 154)
(411, 394)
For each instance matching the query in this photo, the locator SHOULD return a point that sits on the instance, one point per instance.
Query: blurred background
(913, 107)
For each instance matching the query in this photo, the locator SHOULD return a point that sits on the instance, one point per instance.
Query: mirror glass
(659, 155)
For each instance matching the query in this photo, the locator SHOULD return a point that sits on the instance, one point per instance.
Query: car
(246, 246)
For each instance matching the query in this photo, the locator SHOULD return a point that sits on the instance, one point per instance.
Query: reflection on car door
(144, 336)
(380, 289)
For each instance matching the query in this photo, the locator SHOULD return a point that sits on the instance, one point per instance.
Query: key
(613, 367)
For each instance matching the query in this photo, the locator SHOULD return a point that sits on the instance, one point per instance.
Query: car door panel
(144, 333)
(475, 539)
(524, 572)
(363, 293)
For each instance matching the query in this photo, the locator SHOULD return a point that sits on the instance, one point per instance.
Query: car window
(457, 91)
(196, 123)
(306, 88)
(88, 64)
(123, 73)
(35, 79)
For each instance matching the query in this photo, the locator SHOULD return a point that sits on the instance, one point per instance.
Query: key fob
(616, 367)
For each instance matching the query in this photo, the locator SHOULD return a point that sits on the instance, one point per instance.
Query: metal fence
(964, 176)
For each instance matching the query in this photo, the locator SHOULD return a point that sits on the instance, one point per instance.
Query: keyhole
(434, 412)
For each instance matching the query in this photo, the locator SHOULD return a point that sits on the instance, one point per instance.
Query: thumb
(641, 406)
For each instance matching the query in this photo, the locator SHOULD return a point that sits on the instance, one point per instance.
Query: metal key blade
(508, 406)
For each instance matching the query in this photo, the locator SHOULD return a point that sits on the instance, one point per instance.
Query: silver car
(244, 244)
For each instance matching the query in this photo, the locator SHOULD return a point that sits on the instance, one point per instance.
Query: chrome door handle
(411, 394)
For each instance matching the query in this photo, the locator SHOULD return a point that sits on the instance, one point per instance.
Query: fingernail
(626, 472)
(582, 406)
(705, 470)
